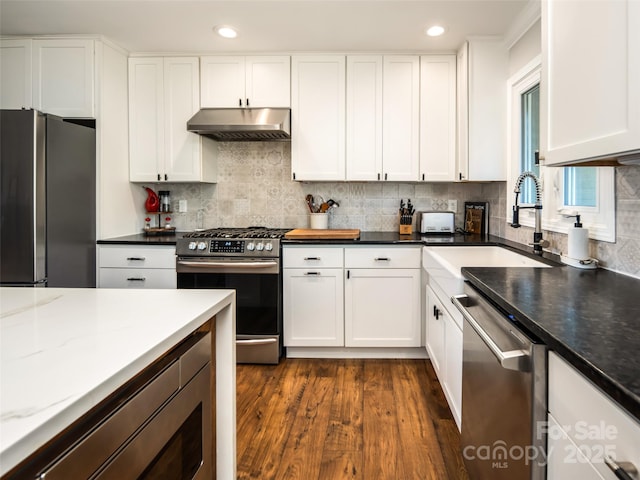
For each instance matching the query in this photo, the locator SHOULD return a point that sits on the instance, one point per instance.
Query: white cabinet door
(364, 117)
(15, 74)
(401, 109)
(182, 149)
(435, 332)
(318, 117)
(146, 119)
(223, 81)
(238, 81)
(63, 77)
(313, 307)
(382, 308)
(590, 89)
(438, 118)
(163, 95)
(268, 81)
(482, 69)
(453, 365)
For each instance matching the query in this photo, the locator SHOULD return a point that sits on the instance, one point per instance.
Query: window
(588, 191)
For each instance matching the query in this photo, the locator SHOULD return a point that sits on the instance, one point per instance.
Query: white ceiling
(265, 25)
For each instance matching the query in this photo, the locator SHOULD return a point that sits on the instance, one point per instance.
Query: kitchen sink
(444, 264)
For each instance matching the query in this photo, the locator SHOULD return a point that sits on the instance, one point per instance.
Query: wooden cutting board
(317, 234)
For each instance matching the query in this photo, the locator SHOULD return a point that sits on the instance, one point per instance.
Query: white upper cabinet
(15, 74)
(482, 72)
(239, 81)
(401, 110)
(590, 88)
(382, 117)
(163, 95)
(364, 117)
(318, 117)
(63, 77)
(438, 118)
(51, 75)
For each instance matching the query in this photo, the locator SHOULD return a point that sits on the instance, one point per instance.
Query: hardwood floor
(345, 419)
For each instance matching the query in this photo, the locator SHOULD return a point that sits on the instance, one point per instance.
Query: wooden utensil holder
(406, 229)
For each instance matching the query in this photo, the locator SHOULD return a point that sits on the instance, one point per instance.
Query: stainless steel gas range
(248, 261)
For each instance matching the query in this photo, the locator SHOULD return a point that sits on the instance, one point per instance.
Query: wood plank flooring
(345, 419)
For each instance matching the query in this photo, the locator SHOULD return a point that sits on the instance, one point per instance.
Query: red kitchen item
(152, 204)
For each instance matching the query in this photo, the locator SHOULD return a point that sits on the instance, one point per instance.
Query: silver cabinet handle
(382, 259)
(312, 258)
(512, 360)
(136, 279)
(137, 259)
(622, 470)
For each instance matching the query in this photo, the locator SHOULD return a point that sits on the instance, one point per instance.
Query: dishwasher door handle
(517, 360)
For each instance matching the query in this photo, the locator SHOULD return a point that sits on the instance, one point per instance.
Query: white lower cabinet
(133, 266)
(313, 315)
(351, 297)
(585, 425)
(382, 307)
(444, 345)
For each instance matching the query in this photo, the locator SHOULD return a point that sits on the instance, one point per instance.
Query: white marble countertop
(64, 350)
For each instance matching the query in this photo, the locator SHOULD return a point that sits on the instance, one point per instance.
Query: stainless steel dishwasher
(504, 393)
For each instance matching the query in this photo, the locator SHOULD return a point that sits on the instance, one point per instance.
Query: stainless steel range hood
(242, 124)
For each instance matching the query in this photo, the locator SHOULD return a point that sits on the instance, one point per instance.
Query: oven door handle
(247, 265)
(257, 341)
(517, 360)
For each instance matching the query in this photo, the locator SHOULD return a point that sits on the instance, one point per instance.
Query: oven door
(258, 286)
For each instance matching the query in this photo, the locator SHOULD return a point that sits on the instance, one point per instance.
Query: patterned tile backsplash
(255, 188)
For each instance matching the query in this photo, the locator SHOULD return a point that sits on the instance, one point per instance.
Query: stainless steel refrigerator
(47, 200)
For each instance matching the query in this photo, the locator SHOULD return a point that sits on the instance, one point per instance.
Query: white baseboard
(359, 352)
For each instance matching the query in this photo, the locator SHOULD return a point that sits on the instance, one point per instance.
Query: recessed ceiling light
(226, 31)
(435, 31)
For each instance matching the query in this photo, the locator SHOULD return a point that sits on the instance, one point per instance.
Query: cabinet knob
(166, 177)
(136, 279)
(312, 273)
(239, 102)
(159, 177)
(312, 258)
(382, 259)
(247, 102)
(139, 259)
(436, 312)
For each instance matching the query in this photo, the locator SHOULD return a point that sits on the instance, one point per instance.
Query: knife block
(406, 229)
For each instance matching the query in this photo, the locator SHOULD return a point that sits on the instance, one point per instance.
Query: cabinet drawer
(313, 257)
(127, 256)
(382, 257)
(137, 278)
(592, 420)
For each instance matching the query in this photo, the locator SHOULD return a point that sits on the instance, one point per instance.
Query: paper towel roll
(578, 243)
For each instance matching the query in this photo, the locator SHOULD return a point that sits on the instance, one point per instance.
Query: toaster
(437, 222)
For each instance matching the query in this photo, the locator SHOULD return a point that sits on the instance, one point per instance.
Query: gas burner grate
(252, 232)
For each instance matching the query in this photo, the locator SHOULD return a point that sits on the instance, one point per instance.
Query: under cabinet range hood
(242, 124)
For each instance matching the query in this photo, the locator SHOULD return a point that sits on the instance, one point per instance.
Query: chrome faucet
(538, 242)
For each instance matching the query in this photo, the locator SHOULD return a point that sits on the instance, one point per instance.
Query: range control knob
(251, 246)
(268, 247)
(193, 245)
(202, 245)
(260, 246)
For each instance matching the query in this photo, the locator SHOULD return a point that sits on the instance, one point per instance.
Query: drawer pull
(136, 279)
(382, 259)
(137, 259)
(312, 273)
(312, 258)
(622, 470)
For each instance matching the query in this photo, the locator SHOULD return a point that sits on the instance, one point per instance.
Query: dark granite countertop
(589, 317)
(142, 239)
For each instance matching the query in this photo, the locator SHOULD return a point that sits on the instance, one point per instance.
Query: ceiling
(265, 25)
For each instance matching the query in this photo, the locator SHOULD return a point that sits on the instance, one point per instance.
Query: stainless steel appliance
(247, 260)
(48, 200)
(242, 124)
(504, 393)
(158, 425)
(436, 222)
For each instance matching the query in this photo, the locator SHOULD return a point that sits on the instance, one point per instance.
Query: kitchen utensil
(309, 200)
